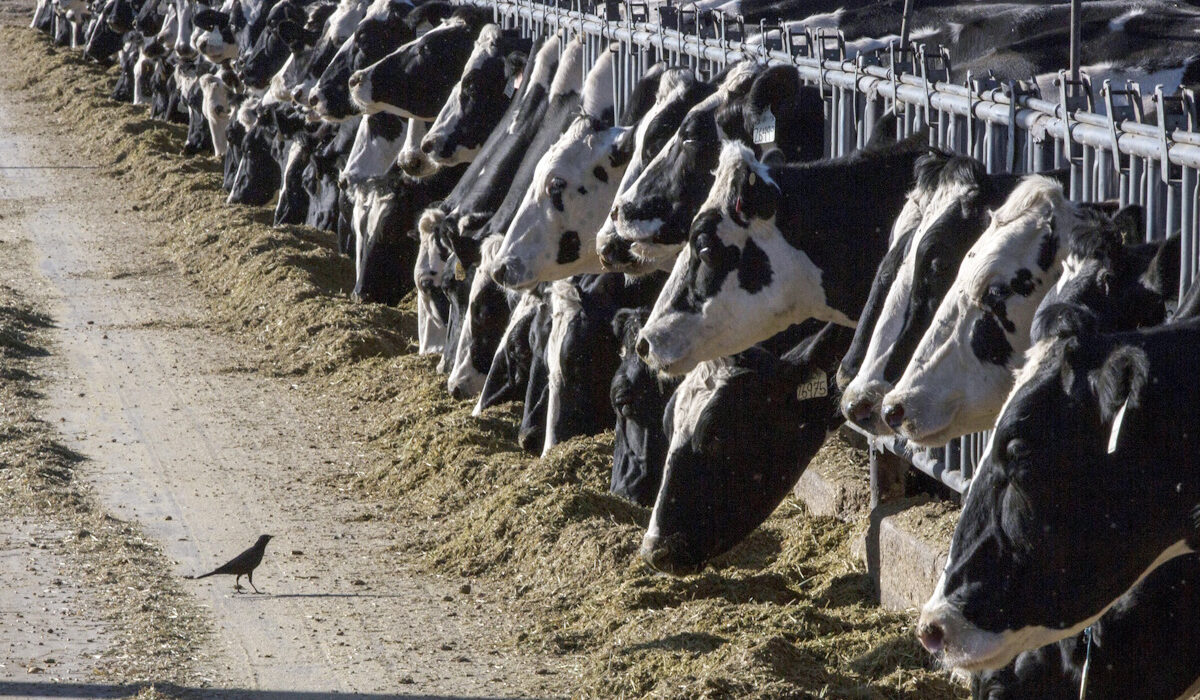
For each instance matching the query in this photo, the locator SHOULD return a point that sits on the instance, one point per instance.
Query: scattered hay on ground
(155, 628)
(788, 613)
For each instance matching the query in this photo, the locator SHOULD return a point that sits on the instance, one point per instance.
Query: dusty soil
(219, 384)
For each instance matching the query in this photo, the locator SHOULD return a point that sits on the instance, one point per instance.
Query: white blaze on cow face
(184, 12)
(712, 307)
(922, 210)
(565, 306)
(550, 237)
(411, 160)
(429, 272)
(962, 369)
(464, 379)
(372, 153)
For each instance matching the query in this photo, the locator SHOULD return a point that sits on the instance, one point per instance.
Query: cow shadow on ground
(120, 690)
(848, 589)
(758, 551)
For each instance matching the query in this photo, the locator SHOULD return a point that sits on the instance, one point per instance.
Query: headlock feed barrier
(1111, 149)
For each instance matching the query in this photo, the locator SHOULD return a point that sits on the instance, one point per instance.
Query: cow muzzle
(666, 554)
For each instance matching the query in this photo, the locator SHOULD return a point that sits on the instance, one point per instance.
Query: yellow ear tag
(460, 272)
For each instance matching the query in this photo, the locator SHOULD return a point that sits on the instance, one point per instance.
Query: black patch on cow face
(754, 271)
(678, 183)
(708, 266)
(581, 190)
(1047, 249)
(418, 77)
(1022, 282)
(568, 248)
(995, 300)
(555, 190)
(988, 341)
(600, 173)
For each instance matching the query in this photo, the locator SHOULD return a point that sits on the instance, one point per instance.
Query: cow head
(678, 91)
(738, 280)
(1114, 286)
(213, 37)
(550, 237)
(961, 370)
(490, 80)
(1069, 509)
(958, 195)
(484, 322)
(382, 30)
(717, 486)
(282, 35)
(654, 213)
(415, 79)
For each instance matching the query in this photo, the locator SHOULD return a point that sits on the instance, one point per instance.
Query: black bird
(243, 564)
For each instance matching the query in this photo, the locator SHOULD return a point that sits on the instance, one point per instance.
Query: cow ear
(1119, 384)
(514, 65)
(622, 150)
(1131, 222)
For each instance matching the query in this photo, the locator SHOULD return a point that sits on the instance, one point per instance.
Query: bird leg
(236, 585)
(250, 578)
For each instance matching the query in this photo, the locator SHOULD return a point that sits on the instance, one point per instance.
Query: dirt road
(205, 458)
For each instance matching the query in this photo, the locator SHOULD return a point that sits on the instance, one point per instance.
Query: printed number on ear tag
(816, 387)
(764, 130)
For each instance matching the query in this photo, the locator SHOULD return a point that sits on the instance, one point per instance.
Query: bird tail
(201, 575)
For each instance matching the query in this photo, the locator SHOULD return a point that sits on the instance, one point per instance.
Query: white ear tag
(816, 387)
(764, 130)
(1116, 427)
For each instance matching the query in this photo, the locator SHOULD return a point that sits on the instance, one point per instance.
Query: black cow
(282, 35)
(639, 397)
(1091, 481)
(718, 486)
(653, 216)
(388, 25)
(1146, 646)
(415, 80)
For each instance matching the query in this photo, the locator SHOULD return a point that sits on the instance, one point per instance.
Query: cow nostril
(313, 99)
(613, 214)
(643, 348)
(931, 635)
(427, 147)
(859, 411)
(894, 416)
(355, 79)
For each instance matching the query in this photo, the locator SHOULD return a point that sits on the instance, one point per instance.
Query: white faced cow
(962, 368)
(776, 246)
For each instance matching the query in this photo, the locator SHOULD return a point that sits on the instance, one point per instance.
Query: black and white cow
(485, 320)
(1090, 482)
(639, 397)
(490, 80)
(386, 26)
(582, 352)
(962, 368)
(678, 91)
(415, 80)
(218, 106)
(214, 37)
(774, 246)
(718, 486)
(653, 215)
(1118, 287)
(552, 236)
(258, 176)
(283, 34)
(1146, 646)
(508, 374)
(956, 196)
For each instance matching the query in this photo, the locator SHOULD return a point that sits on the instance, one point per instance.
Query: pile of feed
(788, 613)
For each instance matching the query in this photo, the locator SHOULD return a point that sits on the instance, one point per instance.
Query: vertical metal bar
(1076, 16)
(1187, 241)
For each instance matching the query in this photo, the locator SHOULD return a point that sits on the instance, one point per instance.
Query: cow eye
(937, 265)
(1017, 449)
(555, 185)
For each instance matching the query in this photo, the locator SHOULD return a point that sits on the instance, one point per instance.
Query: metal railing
(1113, 153)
